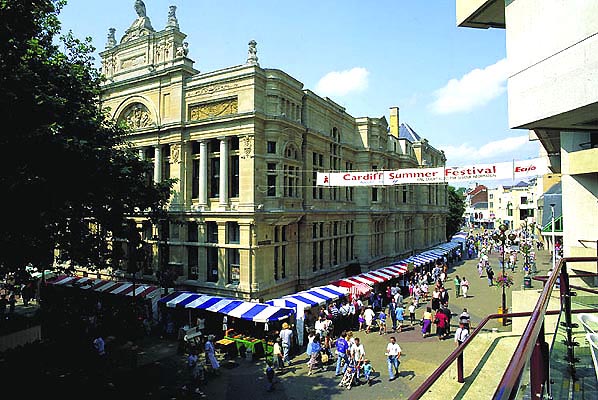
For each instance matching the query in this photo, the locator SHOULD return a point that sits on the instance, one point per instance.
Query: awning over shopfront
(247, 310)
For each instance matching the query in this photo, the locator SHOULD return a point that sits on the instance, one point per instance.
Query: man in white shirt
(461, 334)
(358, 355)
(393, 353)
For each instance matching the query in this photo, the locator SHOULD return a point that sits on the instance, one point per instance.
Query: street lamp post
(502, 238)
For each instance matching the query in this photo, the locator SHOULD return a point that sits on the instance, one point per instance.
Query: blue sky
(449, 82)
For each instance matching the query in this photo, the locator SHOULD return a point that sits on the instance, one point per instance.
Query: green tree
(456, 206)
(68, 177)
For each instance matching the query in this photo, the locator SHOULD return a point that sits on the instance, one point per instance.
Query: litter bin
(500, 311)
(527, 282)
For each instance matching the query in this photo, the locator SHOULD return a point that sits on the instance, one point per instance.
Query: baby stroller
(350, 376)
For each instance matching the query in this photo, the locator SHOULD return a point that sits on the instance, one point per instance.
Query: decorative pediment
(136, 116)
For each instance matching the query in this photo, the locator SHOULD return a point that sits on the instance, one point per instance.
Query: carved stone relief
(132, 61)
(175, 153)
(213, 109)
(211, 89)
(247, 147)
(136, 116)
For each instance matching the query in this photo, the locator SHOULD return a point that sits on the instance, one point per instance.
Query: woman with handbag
(316, 354)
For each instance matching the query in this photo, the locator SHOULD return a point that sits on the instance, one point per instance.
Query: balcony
(583, 161)
(481, 13)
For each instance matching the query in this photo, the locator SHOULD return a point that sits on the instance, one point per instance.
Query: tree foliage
(456, 205)
(68, 177)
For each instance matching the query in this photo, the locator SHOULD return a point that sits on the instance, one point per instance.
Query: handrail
(583, 289)
(523, 351)
(423, 388)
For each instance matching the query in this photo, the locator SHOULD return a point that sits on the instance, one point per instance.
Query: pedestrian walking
(490, 275)
(342, 354)
(411, 313)
(358, 355)
(393, 355)
(461, 334)
(464, 286)
(427, 322)
(392, 311)
(286, 336)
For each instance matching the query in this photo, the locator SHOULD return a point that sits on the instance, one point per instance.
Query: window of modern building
(524, 200)
(271, 147)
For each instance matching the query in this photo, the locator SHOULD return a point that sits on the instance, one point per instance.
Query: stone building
(244, 144)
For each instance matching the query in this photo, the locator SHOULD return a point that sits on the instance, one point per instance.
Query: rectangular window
(192, 235)
(283, 261)
(212, 232)
(232, 232)
(276, 263)
(271, 147)
(212, 260)
(234, 266)
(314, 256)
(215, 177)
(524, 200)
(234, 176)
(192, 262)
(374, 194)
(271, 179)
(195, 180)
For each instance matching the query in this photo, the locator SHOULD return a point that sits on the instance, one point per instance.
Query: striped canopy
(248, 310)
(105, 286)
(310, 298)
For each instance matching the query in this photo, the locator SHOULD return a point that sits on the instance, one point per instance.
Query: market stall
(243, 336)
(149, 293)
(307, 299)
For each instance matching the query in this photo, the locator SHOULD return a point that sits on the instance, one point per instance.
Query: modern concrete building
(552, 53)
(514, 205)
(244, 144)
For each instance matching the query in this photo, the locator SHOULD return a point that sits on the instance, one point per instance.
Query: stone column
(203, 173)
(158, 164)
(223, 189)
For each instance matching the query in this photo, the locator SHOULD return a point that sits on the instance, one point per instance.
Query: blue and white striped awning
(257, 312)
(310, 298)
(460, 236)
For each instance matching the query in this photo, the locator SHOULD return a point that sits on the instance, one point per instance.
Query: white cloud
(340, 83)
(494, 150)
(475, 89)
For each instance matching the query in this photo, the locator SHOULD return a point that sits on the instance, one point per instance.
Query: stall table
(256, 346)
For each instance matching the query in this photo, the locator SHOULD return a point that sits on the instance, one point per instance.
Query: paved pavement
(162, 371)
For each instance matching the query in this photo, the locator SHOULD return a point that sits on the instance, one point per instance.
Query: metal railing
(531, 347)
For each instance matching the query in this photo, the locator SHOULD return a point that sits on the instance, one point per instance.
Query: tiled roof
(406, 132)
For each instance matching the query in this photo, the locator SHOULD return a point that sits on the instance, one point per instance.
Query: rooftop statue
(173, 22)
(141, 26)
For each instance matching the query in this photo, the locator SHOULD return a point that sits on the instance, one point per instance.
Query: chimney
(394, 121)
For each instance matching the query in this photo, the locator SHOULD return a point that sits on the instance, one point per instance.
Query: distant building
(244, 144)
(477, 213)
(514, 205)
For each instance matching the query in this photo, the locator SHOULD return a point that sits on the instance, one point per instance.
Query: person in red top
(441, 322)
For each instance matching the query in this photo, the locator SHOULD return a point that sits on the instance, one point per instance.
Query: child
(270, 376)
(412, 313)
(361, 320)
(367, 371)
(382, 322)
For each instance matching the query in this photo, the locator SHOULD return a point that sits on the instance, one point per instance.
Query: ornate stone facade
(244, 145)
